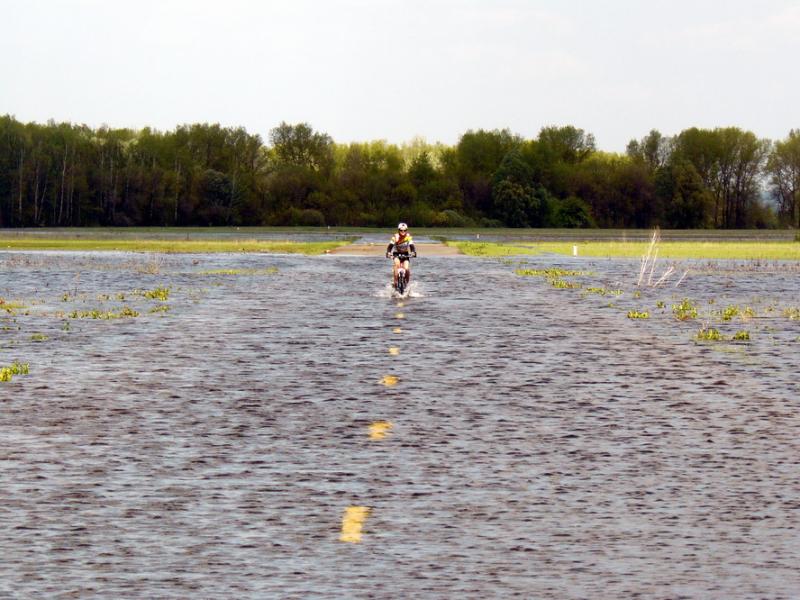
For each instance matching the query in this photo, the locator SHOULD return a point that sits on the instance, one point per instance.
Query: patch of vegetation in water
(709, 334)
(39, 337)
(551, 273)
(161, 308)
(563, 284)
(16, 368)
(12, 308)
(792, 313)
(684, 310)
(125, 312)
(635, 314)
(601, 291)
(267, 271)
(731, 312)
(553, 276)
(159, 293)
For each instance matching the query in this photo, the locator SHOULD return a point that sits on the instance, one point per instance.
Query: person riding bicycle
(401, 247)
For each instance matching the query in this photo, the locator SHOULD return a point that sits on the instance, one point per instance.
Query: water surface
(542, 443)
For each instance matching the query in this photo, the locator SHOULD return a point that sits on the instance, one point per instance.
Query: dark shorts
(402, 257)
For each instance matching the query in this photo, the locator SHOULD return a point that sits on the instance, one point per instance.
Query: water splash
(414, 290)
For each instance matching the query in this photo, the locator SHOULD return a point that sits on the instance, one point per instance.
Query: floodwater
(304, 434)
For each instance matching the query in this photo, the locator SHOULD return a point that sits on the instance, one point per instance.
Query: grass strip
(169, 246)
(491, 249)
(766, 250)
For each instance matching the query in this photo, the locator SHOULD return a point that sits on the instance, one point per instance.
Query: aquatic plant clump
(160, 293)
(709, 334)
(553, 276)
(731, 312)
(267, 271)
(125, 313)
(603, 291)
(684, 310)
(792, 314)
(563, 284)
(10, 307)
(548, 273)
(16, 368)
(635, 314)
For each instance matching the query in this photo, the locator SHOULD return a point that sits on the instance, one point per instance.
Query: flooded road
(303, 434)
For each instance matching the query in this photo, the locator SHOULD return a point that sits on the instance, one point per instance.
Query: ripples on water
(535, 442)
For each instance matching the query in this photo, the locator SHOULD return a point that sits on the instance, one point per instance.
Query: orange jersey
(401, 242)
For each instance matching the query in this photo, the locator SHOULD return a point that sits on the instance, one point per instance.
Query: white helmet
(402, 227)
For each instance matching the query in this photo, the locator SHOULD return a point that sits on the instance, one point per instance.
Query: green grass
(744, 250)
(764, 250)
(167, 246)
(491, 249)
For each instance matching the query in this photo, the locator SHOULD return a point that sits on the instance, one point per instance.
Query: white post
(575, 250)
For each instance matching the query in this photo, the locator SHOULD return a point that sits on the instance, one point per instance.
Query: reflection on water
(542, 445)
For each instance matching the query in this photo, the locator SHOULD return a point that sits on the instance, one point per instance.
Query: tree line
(62, 174)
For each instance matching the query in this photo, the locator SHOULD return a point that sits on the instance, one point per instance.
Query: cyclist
(401, 247)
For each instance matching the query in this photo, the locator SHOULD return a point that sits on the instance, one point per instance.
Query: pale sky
(395, 69)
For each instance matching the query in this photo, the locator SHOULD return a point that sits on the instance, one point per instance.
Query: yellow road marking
(399, 316)
(397, 330)
(379, 430)
(353, 522)
(389, 380)
(394, 351)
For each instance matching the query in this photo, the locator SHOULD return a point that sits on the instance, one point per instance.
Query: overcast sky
(373, 69)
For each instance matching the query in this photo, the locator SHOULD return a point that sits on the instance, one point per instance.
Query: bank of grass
(169, 246)
(491, 249)
(762, 250)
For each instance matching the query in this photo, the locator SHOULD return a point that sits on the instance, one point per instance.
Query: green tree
(688, 202)
(572, 213)
(783, 167)
(300, 146)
